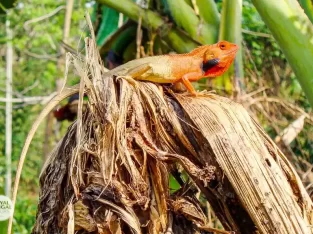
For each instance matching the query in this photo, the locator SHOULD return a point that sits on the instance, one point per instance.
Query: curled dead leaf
(117, 157)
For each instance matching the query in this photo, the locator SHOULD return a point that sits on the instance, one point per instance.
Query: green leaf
(230, 30)
(293, 33)
(108, 24)
(208, 12)
(185, 17)
(174, 185)
(177, 39)
(307, 5)
(120, 39)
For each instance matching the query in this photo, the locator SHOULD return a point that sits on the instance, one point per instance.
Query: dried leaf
(189, 209)
(292, 131)
(127, 217)
(71, 222)
(117, 157)
(83, 219)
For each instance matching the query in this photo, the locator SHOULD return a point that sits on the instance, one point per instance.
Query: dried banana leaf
(114, 165)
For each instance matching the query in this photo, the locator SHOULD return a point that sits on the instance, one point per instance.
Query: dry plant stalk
(110, 172)
(116, 158)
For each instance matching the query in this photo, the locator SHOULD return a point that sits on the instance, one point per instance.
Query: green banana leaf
(130, 51)
(5, 5)
(307, 5)
(176, 39)
(120, 39)
(209, 12)
(94, 12)
(230, 30)
(108, 25)
(293, 33)
(185, 17)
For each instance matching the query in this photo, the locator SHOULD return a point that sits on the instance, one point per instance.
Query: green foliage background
(43, 39)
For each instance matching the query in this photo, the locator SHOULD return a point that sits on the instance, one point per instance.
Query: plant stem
(230, 30)
(178, 40)
(185, 17)
(208, 11)
(293, 32)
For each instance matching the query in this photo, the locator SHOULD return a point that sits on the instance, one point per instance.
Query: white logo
(6, 208)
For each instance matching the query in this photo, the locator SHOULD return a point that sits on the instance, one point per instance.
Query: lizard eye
(222, 46)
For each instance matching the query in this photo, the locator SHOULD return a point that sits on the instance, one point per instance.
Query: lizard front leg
(193, 76)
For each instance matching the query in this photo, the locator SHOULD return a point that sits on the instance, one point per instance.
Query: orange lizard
(204, 61)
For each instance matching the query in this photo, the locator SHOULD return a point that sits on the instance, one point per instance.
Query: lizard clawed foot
(206, 93)
(203, 93)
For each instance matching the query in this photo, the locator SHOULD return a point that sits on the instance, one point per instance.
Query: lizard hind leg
(138, 71)
(129, 79)
(178, 87)
(134, 73)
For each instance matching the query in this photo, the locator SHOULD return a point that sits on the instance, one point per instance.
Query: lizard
(206, 61)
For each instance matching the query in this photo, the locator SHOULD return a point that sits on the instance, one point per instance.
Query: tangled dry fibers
(110, 172)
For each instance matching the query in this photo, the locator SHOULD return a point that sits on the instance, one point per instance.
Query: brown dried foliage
(110, 172)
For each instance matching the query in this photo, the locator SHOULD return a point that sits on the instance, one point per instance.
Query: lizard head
(218, 58)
